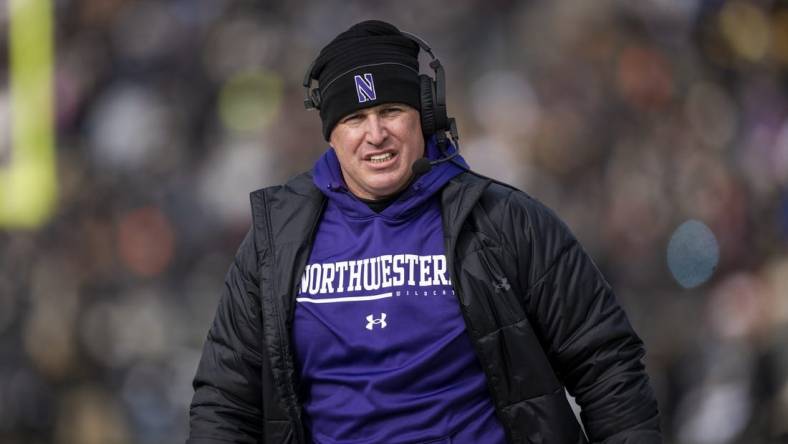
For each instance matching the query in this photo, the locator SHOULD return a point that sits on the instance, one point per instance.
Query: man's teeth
(378, 158)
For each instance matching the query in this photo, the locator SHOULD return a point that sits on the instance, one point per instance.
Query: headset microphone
(424, 165)
(421, 166)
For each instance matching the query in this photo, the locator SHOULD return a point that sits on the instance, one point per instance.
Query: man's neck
(378, 205)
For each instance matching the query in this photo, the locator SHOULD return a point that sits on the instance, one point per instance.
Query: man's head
(370, 104)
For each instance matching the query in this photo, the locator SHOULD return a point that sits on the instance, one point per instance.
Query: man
(371, 304)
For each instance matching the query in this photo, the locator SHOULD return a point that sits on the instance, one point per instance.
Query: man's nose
(376, 130)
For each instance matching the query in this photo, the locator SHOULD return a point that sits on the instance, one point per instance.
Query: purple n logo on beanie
(365, 87)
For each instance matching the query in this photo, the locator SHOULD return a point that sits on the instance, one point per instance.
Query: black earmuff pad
(427, 106)
(440, 119)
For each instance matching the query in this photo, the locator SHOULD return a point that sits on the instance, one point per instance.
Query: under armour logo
(372, 322)
(503, 284)
(365, 88)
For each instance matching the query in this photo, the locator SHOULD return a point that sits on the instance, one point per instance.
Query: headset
(434, 118)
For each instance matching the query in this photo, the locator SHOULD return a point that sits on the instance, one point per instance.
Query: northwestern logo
(365, 88)
(378, 273)
(372, 322)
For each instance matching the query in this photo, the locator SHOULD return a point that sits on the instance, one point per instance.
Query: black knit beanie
(369, 64)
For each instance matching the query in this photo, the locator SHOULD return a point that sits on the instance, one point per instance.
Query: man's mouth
(380, 158)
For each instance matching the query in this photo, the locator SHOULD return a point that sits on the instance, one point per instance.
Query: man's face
(376, 148)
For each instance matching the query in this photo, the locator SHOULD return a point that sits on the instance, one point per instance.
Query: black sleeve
(586, 334)
(227, 402)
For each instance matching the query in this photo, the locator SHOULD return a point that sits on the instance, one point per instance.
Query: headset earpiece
(439, 97)
(427, 105)
(311, 96)
(315, 98)
(434, 119)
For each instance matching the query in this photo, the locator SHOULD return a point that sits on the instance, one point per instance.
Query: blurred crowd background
(657, 129)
